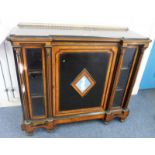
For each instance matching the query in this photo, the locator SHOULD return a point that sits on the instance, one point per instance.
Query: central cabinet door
(81, 78)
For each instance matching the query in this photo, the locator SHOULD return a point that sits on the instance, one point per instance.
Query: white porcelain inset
(83, 84)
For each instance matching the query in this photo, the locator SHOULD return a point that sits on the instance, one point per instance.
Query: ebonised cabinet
(74, 73)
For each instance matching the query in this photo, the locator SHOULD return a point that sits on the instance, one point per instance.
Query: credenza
(70, 73)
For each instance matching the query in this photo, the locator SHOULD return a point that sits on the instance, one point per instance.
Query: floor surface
(140, 122)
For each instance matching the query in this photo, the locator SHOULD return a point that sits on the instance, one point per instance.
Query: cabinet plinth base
(107, 117)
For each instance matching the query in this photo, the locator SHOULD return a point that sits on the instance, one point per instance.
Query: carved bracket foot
(108, 118)
(110, 115)
(124, 115)
(32, 126)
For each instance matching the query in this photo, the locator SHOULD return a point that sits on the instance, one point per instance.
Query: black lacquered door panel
(82, 78)
(96, 65)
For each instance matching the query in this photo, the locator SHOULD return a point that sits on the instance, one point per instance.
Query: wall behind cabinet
(8, 78)
(148, 80)
(137, 15)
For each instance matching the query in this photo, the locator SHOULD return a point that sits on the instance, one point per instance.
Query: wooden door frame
(56, 51)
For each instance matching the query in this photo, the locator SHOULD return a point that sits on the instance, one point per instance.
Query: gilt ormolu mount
(75, 73)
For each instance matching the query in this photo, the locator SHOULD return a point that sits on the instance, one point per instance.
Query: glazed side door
(81, 78)
(124, 75)
(35, 81)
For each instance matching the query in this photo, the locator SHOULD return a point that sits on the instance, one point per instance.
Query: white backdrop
(138, 15)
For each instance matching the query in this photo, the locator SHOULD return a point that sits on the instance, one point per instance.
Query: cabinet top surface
(50, 30)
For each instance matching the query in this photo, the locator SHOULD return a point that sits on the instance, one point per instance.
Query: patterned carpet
(140, 123)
